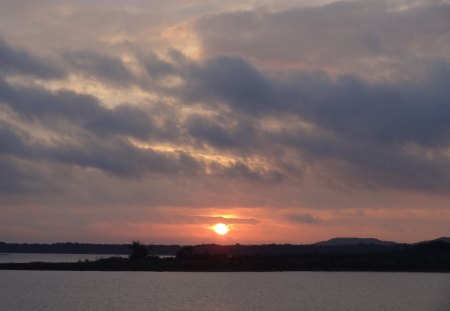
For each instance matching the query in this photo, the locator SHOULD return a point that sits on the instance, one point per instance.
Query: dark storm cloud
(101, 66)
(19, 61)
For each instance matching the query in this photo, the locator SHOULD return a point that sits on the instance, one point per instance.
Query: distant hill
(444, 239)
(355, 241)
(441, 239)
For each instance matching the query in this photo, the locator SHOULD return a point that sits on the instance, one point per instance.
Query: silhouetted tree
(185, 252)
(137, 250)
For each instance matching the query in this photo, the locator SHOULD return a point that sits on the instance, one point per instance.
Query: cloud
(413, 111)
(222, 131)
(379, 130)
(85, 133)
(402, 123)
(103, 67)
(19, 61)
(193, 219)
(336, 106)
(232, 80)
(404, 112)
(372, 38)
(10, 141)
(157, 67)
(14, 179)
(38, 104)
(121, 158)
(303, 218)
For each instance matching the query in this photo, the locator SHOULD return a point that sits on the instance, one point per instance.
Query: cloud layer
(303, 113)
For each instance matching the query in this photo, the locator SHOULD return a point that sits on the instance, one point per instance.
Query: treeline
(427, 257)
(289, 249)
(83, 248)
(353, 246)
(230, 250)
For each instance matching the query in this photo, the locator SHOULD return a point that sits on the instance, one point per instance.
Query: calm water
(333, 291)
(31, 257)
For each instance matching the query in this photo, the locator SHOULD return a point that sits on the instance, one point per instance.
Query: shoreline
(231, 264)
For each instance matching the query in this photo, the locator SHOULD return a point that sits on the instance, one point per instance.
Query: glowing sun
(221, 229)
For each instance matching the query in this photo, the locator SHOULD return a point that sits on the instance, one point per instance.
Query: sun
(221, 229)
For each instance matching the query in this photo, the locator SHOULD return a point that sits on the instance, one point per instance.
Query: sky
(289, 121)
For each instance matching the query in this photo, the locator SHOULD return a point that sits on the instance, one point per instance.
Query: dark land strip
(423, 257)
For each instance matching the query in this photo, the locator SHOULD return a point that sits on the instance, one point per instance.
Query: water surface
(321, 291)
(44, 257)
